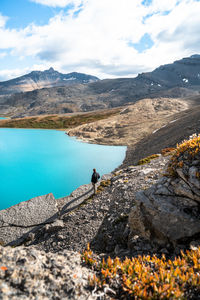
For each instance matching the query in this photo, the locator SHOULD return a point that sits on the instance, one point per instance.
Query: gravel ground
(103, 219)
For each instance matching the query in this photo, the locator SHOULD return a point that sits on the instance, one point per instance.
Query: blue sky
(22, 12)
(107, 38)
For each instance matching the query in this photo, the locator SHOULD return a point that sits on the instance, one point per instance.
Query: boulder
(18, 221)
(169, 210)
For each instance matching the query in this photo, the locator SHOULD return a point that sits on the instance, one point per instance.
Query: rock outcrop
(31, 274)
(20, 221)
(169, 211)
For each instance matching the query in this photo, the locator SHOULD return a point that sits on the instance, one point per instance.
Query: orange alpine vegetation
(167, 151)
(185, 152)
(147, 159)
(146, 277)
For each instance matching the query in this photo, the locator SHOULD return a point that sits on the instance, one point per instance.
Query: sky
(105, 38)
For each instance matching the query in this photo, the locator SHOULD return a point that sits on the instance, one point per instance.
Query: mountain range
(43, 79)
(179, 79)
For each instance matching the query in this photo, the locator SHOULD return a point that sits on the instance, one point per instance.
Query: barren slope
(133, 123)
(185, 124)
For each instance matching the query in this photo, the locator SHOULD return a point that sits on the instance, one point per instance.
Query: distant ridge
(43, 79)
(177, 80)
(182, 73)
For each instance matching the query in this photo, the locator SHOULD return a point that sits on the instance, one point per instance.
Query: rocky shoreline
(46, 258)
(117, 221)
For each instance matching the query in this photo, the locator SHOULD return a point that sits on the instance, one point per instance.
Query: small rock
(31, 236)
(60, 237)
(164, 251)
(192, 177)
(46, 235)
(117, 250)
(194, 245)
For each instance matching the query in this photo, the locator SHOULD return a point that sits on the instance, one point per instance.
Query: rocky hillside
(43, 79)
(183, 125)
(180, 79)
(57, 100)
(183, 73)
(149, 212)
(133, 123)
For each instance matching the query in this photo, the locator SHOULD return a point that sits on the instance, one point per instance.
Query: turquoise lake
(36, 162)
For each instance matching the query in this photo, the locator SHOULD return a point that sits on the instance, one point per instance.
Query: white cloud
(3, 20)
(97, 39)
(161, 6)
(176, 34)
(7, 74)
(58, 3)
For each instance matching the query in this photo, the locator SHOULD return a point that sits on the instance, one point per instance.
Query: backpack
(95, 177)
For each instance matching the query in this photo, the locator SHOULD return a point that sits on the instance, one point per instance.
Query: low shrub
(105, 183)
(167, 151)
(146, 277)
(99, 189)
(147, 159)
(185, 153)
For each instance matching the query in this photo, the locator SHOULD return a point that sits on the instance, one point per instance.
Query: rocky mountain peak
(43, 79)
(195, 56)
(51, 69)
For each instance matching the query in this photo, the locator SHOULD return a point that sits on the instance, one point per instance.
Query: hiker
(94, 179)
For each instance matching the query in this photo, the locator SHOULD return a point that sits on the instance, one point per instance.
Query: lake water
(36, 162)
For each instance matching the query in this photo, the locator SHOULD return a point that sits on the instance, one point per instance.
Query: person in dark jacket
(94, 179)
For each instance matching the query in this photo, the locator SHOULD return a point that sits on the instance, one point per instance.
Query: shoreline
(81, 184)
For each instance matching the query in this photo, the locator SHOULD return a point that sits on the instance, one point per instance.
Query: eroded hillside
(133, 123)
